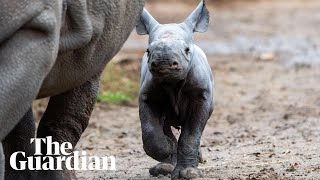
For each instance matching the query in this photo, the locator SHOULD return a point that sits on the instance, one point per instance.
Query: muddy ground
(266, 122)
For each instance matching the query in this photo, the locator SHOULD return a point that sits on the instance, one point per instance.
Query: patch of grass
(120, 83)
(116, 98)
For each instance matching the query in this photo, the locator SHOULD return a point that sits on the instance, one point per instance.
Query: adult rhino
(56, 49)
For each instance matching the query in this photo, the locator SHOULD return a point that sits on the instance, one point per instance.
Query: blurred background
(265, 56)
(285, 31)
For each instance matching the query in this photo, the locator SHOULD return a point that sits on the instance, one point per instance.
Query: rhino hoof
(161, 169)
(190, 173)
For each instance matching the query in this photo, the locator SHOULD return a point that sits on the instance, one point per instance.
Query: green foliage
(116, 98)
(120, 83)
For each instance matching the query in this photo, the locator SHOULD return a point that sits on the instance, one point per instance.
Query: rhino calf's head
(171, 46)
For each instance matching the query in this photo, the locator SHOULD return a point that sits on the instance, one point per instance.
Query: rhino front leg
(166, 166)
(19, 140)
(189, 141)
(158, 141)
(65, 119)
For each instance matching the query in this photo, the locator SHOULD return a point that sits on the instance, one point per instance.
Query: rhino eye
(187, 50)
(148, 52)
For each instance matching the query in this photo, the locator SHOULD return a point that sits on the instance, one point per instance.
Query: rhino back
(112, 22)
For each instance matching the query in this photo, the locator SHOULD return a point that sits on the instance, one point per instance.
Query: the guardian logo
(76, 160)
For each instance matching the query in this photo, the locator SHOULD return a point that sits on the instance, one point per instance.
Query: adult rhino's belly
(73, 68)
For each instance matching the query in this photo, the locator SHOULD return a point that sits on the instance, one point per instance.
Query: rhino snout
(158, 66)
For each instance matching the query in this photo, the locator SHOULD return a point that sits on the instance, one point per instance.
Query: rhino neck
(174, 93)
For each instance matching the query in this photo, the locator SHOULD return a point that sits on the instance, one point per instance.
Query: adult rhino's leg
(189, 140)
(29, 41)
(19, 140)
(158, 141)
(66, 118)
(1, 162)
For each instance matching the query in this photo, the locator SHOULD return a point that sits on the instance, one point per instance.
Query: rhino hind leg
(65, 119)
(19, 140)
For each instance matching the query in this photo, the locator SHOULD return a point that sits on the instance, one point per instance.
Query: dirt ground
(266, 122)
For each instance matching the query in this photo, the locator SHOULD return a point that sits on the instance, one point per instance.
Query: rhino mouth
(166, 70)
(163, 71)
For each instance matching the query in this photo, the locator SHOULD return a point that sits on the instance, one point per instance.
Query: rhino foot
(186, 173)
(161, 169)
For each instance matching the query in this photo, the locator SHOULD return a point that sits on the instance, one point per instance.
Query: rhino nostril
(175, 64)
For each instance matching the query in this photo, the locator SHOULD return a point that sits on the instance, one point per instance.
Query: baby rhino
(176, 91)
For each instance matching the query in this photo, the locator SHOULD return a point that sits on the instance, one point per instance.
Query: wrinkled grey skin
(176, 90)
(57, 49)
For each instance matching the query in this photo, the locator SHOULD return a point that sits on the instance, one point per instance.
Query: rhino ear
(146, 23)
(198, 20)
